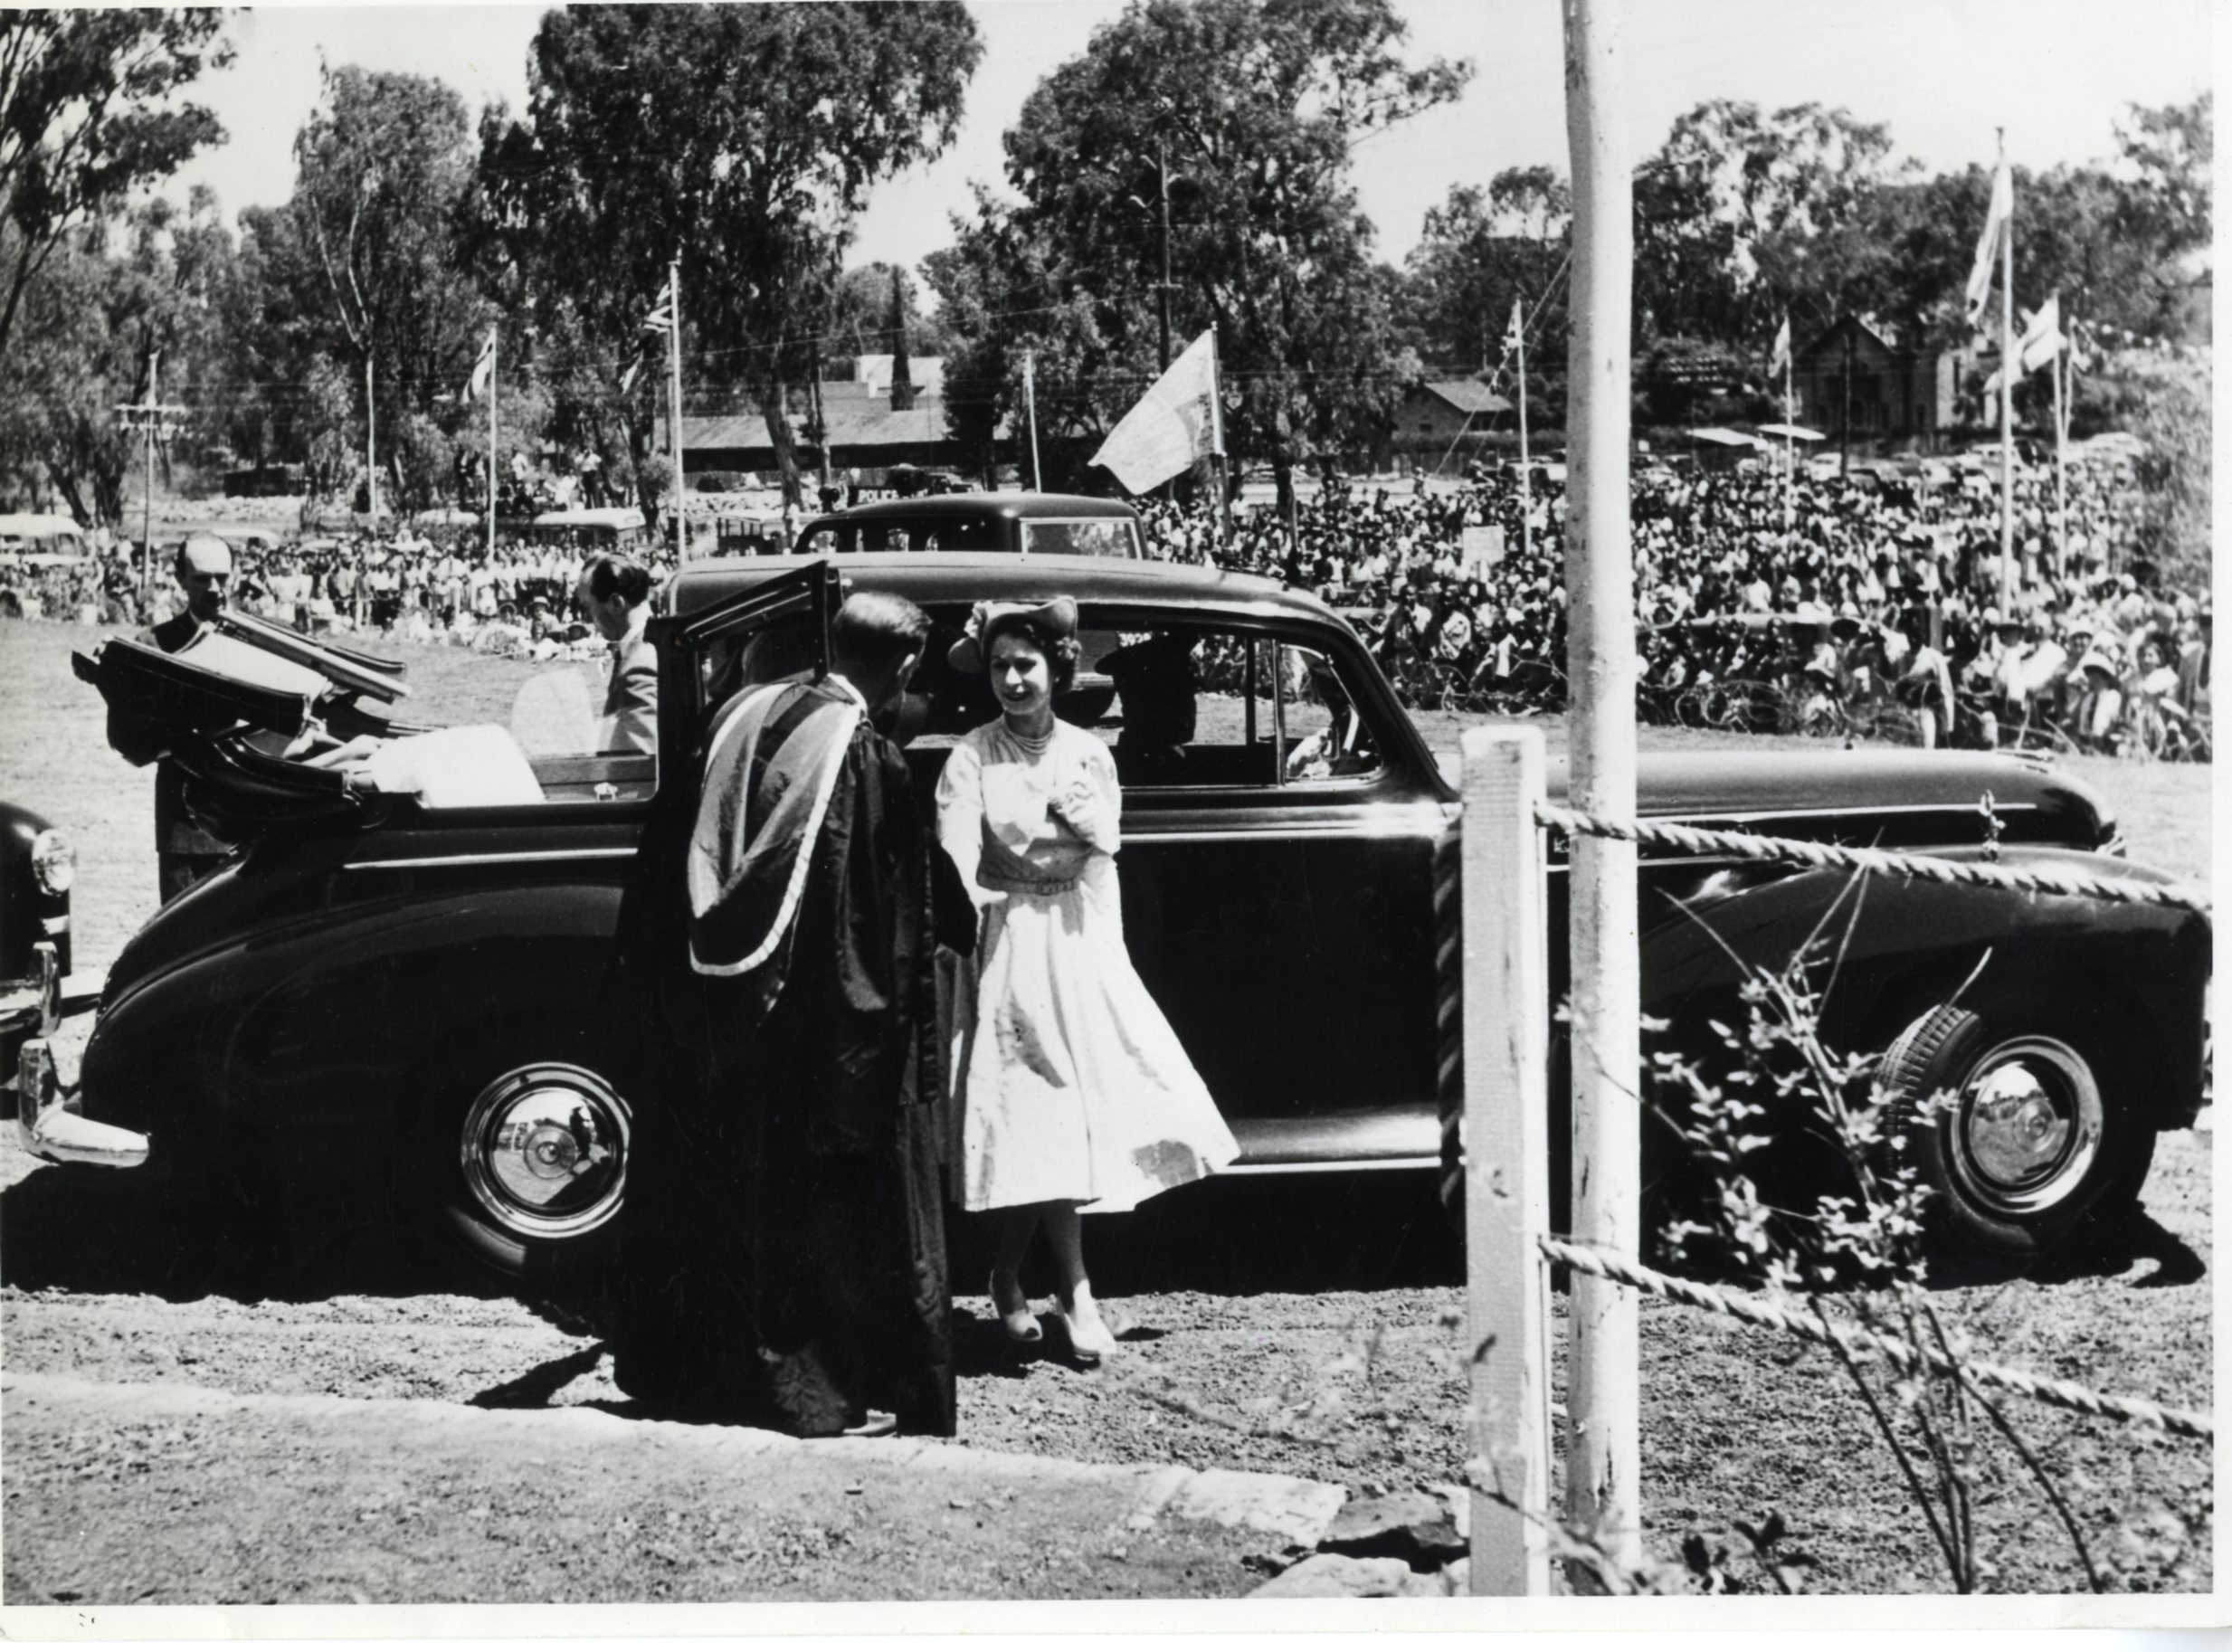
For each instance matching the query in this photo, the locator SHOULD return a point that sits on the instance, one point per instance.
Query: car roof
(968, 576)
(938, 506)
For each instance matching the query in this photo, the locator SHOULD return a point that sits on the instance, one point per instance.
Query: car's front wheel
(523, 1160)
(2032, 1130)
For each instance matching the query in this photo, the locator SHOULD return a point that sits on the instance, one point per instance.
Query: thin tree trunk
(776, 412)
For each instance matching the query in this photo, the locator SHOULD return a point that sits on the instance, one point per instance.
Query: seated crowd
(1880, 611)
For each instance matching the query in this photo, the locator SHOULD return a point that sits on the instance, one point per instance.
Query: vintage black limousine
(408, 992)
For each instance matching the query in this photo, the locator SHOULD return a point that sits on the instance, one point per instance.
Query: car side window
(1327, 737)
(1189, 705)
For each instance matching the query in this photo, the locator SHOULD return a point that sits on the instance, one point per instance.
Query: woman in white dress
(1070, 1090)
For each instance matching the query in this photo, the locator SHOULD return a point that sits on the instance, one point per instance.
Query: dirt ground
(1306, 1330)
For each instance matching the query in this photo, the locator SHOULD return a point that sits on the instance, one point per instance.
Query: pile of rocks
(1406, 1542)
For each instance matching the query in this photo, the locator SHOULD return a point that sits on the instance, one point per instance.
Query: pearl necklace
(1033, 745)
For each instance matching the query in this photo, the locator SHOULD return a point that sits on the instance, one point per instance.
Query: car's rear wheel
(2034, 1131)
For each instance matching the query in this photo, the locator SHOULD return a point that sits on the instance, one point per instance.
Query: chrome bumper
(48, 1115)
(42, 998)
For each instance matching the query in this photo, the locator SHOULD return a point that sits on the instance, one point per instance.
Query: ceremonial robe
(793, 1224)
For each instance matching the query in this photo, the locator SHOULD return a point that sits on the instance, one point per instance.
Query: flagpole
(2061, 460)
(491, 442)
(2006, 396)
(1216, 418)
(1526, 481)
(1789, 438)
(146, 498)
(674, 404)
(1030, 411)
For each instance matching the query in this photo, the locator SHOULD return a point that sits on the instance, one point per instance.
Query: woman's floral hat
(1058, 616)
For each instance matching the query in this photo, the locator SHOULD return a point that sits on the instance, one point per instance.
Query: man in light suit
(616, 595)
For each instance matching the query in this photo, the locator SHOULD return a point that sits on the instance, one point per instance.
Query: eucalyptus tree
(89, 113)
(1250, 110)
(741, 140)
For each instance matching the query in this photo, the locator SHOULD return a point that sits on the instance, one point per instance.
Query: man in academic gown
(791, 1264)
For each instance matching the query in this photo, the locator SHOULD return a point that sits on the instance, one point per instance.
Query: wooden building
(866, 432)
(1895, 395)
(1437, 410)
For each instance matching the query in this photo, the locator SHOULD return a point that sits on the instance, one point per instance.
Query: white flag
(1176, 422)
(1515, 332)
(1996, 221)
(482, 369)
(2042, 337)
(1780, 361)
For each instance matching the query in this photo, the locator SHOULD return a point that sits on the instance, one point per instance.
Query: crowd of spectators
(412, 587)
(1879, 611)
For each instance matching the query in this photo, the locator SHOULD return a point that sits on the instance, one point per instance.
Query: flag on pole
(658, 324)
(1997, 219)
(2040, 342)
(1516, 331)
(2042, 337)
(1176, 422)
(477, 385)
(1780, 360)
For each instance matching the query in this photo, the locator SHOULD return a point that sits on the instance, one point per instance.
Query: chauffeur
(186, 850)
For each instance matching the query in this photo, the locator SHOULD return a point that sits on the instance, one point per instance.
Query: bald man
(186, 850)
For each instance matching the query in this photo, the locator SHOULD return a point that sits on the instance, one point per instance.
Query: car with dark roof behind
(1028, 523)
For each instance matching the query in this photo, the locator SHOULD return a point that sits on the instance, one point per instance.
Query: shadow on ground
(76, 1228)
(1245, 1235)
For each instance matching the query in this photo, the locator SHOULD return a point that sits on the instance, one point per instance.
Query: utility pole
(151, 417)
(1604, 1458)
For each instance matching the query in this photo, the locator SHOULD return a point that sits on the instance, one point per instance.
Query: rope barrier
(1929, 868)
(1817, 1328)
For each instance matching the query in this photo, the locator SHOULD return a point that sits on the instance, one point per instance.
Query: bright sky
(1942, 73)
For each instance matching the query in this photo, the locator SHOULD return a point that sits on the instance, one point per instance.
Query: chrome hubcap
(2028, 1128)
(545, 1151)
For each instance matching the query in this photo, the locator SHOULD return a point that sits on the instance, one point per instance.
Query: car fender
(329, 1020)
(1890, 948)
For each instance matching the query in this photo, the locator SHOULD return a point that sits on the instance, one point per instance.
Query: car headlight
(53, 862)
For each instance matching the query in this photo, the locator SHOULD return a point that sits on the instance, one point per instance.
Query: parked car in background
(419, 994)
(1028, 524)
(38, 868)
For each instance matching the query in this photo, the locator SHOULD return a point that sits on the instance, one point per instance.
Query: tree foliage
(88, 114)
(1480, 251)
(375, 248)
(742, 140)
(1741, 212)
(1254, 106)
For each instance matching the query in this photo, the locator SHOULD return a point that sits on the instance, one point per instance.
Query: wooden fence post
(1506, 1156)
